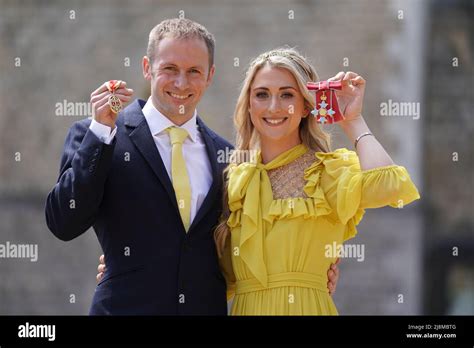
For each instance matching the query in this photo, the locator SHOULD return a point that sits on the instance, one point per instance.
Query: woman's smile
(274, 122)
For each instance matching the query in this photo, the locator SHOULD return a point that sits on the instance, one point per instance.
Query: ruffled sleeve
(350, 191)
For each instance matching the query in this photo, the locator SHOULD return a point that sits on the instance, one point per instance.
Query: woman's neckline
(286, 156)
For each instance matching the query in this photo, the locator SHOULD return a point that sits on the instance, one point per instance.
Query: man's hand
(333, 276)
(100, 268)
(100, 103)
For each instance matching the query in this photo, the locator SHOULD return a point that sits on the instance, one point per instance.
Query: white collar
(159, 122)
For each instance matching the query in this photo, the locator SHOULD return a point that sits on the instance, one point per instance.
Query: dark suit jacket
(123, 190)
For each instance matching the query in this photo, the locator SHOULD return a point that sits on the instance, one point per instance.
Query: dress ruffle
(313, 206)
(336, 189)
(352, 190)
(250, 198)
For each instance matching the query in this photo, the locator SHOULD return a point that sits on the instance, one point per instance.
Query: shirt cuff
(103, 132)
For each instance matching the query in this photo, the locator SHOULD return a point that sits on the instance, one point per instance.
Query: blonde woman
(297, 197)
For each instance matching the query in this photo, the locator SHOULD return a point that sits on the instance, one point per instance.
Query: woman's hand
(351, 97)
(370, 152)
(100, 268)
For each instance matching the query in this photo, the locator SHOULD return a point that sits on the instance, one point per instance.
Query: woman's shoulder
(333, 162)
(337, 154)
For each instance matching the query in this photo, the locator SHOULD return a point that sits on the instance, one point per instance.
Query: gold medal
(114, 102)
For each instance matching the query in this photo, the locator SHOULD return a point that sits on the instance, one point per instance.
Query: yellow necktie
(179, 174)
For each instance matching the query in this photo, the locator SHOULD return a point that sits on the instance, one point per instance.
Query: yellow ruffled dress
(276, 262)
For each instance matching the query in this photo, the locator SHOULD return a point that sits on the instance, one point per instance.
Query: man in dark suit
(149, 182)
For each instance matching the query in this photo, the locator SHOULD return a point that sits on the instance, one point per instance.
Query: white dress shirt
(194, 150)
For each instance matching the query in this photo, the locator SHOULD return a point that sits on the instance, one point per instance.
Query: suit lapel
(216, 179)
(141, 136)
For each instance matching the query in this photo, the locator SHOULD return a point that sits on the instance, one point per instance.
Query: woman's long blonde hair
(247, 138)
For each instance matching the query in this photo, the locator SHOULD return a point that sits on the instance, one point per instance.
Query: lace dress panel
(288, 180)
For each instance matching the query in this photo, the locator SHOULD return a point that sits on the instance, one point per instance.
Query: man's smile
(179, 96)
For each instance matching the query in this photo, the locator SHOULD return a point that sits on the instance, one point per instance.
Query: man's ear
(146, 66)
(212, 70)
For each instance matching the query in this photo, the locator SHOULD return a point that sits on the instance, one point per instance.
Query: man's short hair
(180, 28)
